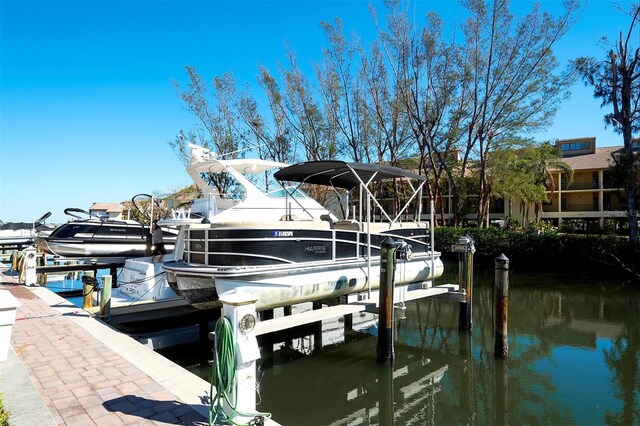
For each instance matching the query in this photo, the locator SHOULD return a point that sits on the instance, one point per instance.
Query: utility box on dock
(240, 309)
(8, 307)
(30, 265)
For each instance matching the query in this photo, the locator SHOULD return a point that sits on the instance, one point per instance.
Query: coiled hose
(223, 378)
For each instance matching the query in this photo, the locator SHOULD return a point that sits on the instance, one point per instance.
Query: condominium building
(593, 199)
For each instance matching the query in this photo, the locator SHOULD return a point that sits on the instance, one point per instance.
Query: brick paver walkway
(81, 380)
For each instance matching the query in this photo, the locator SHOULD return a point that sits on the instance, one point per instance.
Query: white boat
(255, 196)
(99, 237)
(23, 233)
(301, 257)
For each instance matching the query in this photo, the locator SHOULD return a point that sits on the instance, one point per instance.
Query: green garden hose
(223, 378)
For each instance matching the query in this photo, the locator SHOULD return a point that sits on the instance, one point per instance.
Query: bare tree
(511, 85)
(215, 114)
(616, 81)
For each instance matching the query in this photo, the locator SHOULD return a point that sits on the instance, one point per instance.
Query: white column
(239, 307)
(601, 197)
(559, 199)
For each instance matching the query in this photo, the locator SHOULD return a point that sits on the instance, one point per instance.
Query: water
(574, 358)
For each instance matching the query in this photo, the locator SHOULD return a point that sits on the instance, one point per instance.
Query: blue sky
(87, 105)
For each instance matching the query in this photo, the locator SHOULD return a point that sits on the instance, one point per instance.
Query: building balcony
(577, 186)
(580, 208)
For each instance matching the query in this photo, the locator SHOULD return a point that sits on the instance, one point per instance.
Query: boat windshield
(287, 192)
(69, 230)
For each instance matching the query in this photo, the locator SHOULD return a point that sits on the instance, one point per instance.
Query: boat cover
(341, 173)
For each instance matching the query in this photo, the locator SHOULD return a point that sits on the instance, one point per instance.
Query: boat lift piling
(385, 351)
(465, 248)
(105, 298)
(501, 282)
(87, 290)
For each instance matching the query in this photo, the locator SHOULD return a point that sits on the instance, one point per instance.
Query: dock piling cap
(237, 297)
(502, 260)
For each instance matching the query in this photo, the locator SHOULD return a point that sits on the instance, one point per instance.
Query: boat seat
(348, 225)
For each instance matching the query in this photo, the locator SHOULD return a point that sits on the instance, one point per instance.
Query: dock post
(14, 260)
(385, 352)
(105, 298)
(87, 291)
(501, 345)
(41, 278)
(239, 307)
(465, 248)
(113, 271)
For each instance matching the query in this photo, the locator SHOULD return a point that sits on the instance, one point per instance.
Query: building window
(575, 146)
(595, 180)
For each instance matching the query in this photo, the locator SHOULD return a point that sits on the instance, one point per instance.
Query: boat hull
(295, 284)
(93, 248)
(96, 238)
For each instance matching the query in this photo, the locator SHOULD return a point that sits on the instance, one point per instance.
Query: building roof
(601, 159)
(108, 207)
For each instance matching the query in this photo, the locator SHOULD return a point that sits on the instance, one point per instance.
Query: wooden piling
(42, 278)
(385, 351)
(113, 271)
(466, 249)
(501, 281)
(105, 298)
(87, 291)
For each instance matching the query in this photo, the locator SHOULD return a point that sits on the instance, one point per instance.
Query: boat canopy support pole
(406, 205)
(433, 242)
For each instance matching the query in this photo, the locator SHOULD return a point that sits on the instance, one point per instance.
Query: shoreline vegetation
(546, 252)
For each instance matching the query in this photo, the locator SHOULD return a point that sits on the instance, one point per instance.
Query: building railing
(580, 208)
(582, 185)
(616, 207)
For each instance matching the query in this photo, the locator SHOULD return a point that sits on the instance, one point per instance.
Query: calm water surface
(574, 358)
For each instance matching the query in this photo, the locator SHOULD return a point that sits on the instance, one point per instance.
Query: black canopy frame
(348, 175)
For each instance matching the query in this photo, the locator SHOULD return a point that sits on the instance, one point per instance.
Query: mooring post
(466, 249)
(87, 291)
(239, 307)
(501, 306)
(385, 351)
(113, 271)
(14, 260)
(41, 261)
(105, 298)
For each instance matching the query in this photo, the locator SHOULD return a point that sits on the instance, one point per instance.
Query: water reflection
(573, 359)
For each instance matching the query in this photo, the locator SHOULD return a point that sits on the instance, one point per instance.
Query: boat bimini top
(348, 175)
(342, 174)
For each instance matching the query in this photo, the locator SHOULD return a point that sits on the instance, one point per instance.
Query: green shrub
(4, 414)
(546, 251)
